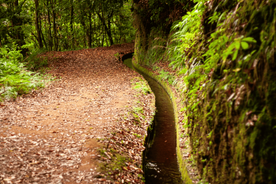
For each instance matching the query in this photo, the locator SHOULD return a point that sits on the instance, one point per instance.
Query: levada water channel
(159, 158)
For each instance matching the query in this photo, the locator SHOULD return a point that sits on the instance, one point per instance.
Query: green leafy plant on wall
(225, 71)
(222, 53)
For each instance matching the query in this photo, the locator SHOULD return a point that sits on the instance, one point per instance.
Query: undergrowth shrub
(35, 62)
(15, 79)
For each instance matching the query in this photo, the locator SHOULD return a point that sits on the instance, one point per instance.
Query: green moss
(228, 88)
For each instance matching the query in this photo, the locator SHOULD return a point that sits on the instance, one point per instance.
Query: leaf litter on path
(50, 135)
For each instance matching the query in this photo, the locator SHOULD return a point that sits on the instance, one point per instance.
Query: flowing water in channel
(159, 158)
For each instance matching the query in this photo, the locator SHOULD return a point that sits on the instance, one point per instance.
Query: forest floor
(51, 135)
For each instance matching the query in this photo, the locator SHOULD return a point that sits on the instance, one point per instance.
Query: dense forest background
(65, 25)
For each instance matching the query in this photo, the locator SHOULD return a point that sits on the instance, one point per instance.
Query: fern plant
(186, 35)
(14, 78)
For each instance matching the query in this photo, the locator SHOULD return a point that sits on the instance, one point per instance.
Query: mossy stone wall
(232, 125)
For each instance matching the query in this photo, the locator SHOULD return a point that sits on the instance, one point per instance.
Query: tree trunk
(55, 27)
(93, 35)
(102, 36)
(71, 23)
(17, 23)
(84, 30)
(107, 28)
(37, 26)
(89, 31)
(109, 31)
(50, 27)
(42, 36)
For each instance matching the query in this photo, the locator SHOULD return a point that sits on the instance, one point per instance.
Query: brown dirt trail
(49, 136)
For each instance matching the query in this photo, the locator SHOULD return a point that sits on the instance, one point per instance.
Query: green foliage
(153, 20)
(167, 76)
(65, 25)
(186, 35)
(35, 62)
(225, 58)
(137, 135)
(138, 110)
(224, 55)
(14, 78)
(117, 56)
(117, 162)
(15, 19)
(141, 86)
(155, 52)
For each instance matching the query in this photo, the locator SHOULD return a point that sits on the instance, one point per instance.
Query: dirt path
(50, 136)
